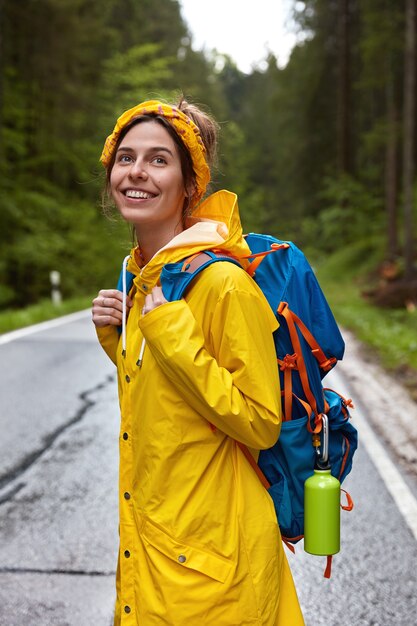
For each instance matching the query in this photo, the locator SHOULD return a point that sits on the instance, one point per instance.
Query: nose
(138, 170)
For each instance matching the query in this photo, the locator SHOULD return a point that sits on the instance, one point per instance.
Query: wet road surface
(58, 501)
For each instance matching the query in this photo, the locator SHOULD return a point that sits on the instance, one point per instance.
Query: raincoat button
(127, 609)
(127, 377)
(126, 495)
(145, 287)
(125, 436)
(182, 558)
(127, 554)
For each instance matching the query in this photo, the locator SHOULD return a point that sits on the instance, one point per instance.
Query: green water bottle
(322, 506)
(322, 513)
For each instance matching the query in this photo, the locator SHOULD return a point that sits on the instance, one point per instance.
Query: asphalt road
(58, 501)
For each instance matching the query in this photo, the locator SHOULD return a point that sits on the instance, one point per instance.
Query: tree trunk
(343, 122)
(408, 145)
(391, 178)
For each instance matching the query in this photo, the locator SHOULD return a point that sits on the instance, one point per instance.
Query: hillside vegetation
(321, 151)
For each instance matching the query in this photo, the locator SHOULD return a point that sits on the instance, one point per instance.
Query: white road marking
(394, 482)
(36, 328)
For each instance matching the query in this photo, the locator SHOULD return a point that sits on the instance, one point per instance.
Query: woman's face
(146, 180)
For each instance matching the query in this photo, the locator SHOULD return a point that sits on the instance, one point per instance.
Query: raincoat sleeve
(230, 378)
(109, 339)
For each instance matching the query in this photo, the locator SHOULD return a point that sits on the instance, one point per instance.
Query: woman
(199, 540)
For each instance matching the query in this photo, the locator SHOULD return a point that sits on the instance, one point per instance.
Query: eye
(159, 160)
(124, 158)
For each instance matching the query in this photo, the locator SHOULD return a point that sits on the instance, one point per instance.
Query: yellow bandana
(183, 125)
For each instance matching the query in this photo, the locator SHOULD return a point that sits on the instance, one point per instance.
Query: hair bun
(207, 125)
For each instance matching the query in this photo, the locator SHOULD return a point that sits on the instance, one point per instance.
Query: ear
(190, 190)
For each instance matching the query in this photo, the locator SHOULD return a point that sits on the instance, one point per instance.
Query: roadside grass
(390, 333)
(12, 319)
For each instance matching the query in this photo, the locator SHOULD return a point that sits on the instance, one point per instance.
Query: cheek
(111, 184)
(114, 181)
(175, 185)
(181, 186)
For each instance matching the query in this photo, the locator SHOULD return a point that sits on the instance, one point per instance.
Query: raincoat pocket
(185, 555)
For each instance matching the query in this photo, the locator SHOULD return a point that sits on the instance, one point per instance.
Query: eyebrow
(152, 149)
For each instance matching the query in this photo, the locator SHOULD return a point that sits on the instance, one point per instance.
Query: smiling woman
(157, 153)
(147, 185)
(199, 539)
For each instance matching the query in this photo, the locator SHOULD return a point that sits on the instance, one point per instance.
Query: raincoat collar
(214, 224)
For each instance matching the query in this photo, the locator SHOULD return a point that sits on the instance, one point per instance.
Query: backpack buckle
(288, 362)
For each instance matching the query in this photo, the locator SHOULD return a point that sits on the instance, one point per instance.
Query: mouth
(138, 194)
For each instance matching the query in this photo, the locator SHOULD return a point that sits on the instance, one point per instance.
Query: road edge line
(36, 328)
(394, 482)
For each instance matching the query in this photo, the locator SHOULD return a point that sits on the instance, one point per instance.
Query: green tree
(66, 69)
(409, 135)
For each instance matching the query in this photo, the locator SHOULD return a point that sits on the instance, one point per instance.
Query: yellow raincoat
(199, 540)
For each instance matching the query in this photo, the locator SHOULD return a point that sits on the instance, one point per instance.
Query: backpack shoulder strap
(176, 277)
(200, 260)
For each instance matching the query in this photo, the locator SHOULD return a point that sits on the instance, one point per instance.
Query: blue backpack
(308, 344)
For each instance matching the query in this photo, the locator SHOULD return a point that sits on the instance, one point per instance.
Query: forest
(321, 151)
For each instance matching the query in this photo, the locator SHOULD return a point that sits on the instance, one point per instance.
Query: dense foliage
(320, 151)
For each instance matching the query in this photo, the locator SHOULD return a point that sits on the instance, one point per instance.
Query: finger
(113, 294)
(107, 312)
(107, 308)
(109, 302)
(148, 305)
(100, 319)
(153, 300)
(106, 293)
(158, 296)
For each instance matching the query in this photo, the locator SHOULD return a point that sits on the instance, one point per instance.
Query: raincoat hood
(214, 224)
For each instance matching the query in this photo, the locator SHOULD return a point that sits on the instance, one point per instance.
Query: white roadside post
(55, 278)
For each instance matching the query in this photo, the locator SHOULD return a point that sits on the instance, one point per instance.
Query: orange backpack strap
(328, 570)
(345, 457)
(287, 365)
(347, 402)
(318, 419)
(258, 257)
(291, 320)
(325, 363)
(289, 545)
(194, 262)
(254, 464)
(349, 506)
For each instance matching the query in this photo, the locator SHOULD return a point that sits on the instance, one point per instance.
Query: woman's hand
(154, 299)
(107, 307)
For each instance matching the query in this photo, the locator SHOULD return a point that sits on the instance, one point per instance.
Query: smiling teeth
(133, 193)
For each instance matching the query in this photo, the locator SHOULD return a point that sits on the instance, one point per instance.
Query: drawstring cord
(124, 313)
(142, 350)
